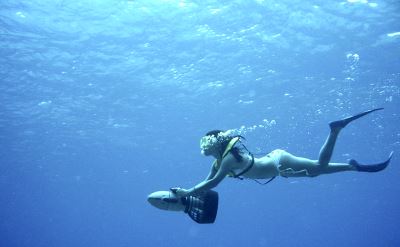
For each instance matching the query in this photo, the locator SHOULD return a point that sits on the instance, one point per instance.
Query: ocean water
(104, 102)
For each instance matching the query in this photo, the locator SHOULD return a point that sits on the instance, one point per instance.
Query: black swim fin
(371, 168)
(343, 122)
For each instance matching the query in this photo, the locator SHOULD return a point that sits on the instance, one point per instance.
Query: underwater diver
(234, 160)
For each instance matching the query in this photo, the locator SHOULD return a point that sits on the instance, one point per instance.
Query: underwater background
(104, 102)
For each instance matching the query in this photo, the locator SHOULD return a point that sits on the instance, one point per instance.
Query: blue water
(104, 102)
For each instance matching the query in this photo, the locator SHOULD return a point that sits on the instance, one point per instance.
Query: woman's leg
(291, 165)
(353, 165)
(336, 167)
(326, 151)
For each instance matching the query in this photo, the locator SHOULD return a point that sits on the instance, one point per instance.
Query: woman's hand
(179, 192)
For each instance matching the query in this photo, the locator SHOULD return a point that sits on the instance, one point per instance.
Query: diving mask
(207, 142)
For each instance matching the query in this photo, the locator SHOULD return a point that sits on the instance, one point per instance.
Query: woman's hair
(224, 143)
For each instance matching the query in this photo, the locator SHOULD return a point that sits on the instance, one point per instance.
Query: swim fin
(343, 122)
(371, 168)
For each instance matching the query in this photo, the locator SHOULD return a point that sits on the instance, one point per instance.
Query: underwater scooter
(201, 208)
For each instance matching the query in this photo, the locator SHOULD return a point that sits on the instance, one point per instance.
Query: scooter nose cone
(156, 199)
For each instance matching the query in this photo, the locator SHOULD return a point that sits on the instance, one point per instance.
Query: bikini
(276, 156)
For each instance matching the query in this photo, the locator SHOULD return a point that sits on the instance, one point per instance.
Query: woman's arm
(208, 184)
(212, 173)
(212, 180)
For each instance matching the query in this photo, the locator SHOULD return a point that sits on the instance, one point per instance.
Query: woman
(234, 160)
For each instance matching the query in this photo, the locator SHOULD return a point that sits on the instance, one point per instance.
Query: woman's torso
(264, 167)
